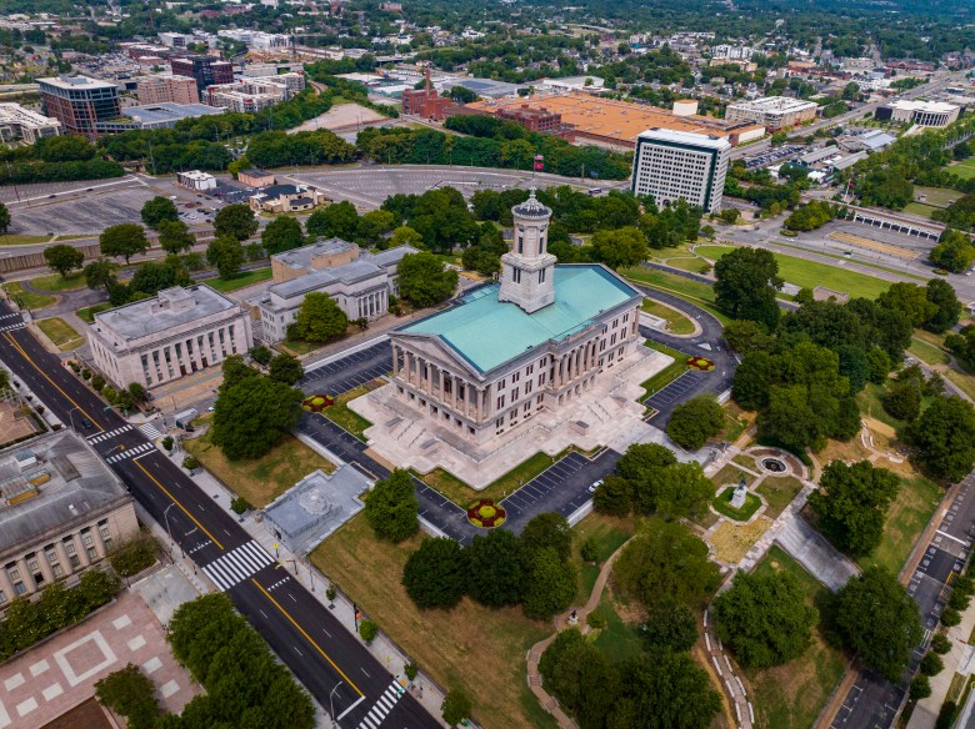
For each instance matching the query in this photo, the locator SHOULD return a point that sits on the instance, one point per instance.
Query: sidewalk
(428, 693)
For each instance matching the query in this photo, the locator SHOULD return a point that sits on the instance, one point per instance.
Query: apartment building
(18, 123)
(62, 510)
(670, 165)
(175, 333)
(205, 70)
(254, 94)
(161, 89)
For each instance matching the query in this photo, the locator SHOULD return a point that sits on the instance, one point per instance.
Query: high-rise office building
(79, 103)
(205, 70)
(669, 165)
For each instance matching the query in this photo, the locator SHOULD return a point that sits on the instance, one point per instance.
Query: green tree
(226, 255)
(4, 218)
(435, 575)
(252, 415)
(338, 220)
(931, 664)
(130, 693)
(551, 586)
(695, 421)
(547, 530)
(456, 707)
(902, 400)
(319, 319)
(954, 252)
(879, 621)
(911, 300)
(373, 225)
(175, 237)
(404, 235)
(666, 690)
(424, 281)
(496, 571)
(282, 234)
(665, 561)
(879, 365)
(853, 363)
(391, 507)
(852, 504)
(943, 437)
(670, 627)
(236, 220)
(261, 354)
(614, 496)
(368, 630)
(63, 259)
(156, 210)
(285, 368)
(746, 285)
(620, 248)
(580, 677)
(123, 241)
(745, 336)
(948, 307)
(764, 619)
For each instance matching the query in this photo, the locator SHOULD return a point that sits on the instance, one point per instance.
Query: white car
(594, 485)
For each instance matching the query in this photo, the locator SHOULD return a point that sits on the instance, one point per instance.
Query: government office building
(670, 165)
(175, 333)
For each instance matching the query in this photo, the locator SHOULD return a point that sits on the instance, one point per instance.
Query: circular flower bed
(701, 363)
(317, 403)
(486, 513)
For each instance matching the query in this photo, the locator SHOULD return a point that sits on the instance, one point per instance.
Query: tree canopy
(63, 259)
(424, 281)
(943, 438)
(391, 507)
(435, 575)
(123, 241)
(695, 421)
(155, 210)
(319, 319)
(746, 285)
(252, 415)
(236, 220)
(282, 234)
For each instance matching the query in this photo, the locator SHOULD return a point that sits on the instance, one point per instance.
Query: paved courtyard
(591, 420)
(61, 673)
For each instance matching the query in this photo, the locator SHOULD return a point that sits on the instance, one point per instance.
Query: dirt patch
(340, 117)
(15, 422)
(733, 541)
(879, 427)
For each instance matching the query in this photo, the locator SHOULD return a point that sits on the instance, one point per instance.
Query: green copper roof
(488, 333)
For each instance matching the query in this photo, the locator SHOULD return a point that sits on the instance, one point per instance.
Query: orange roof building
(617, 124)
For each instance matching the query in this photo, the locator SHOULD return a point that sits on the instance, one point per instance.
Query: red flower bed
(317, 403)
(701, 363)
(486, 513)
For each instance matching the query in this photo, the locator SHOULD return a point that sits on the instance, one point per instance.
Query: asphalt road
(324, 655)
(874, 702)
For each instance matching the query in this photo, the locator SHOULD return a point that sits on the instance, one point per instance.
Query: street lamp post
(166, 518)
(332, 710)
(71, 417)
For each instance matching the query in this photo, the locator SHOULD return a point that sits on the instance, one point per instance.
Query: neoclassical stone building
(535, 340)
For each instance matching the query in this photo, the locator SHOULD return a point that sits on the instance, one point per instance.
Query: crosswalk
(13, 315)
(237, 565)
(99, 437)
(150, 430)
(384, 705)
(9, 327)
(133, 452)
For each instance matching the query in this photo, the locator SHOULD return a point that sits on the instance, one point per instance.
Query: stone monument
(739, 494)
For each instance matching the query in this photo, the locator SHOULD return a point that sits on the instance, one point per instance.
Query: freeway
(331, 662)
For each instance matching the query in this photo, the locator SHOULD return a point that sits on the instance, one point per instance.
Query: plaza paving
(60, 673)
(589, 421)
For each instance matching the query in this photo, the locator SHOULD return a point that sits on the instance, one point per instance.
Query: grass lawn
(928, 353)
(870, 403)
(791, 696)
(298, 347)
(939, 197)
(964, 381)
(746, 461)
(13, 239)
(340, 413)
(60, 333)
(908, 515)
(721, 503)
(675, 369)
(921, 209)
(695, 292)
(27, 299)
(88, 313)
(732, 541)
(262, 480)
(695, 265)
(608, 533)
(736, 421)
(678, 323)
(240, 281)
(964, 169)
(456, 490)
(779, 491)
(730, 474)
(809, 274)
(54, 282)
(619, 640)
(447, 644)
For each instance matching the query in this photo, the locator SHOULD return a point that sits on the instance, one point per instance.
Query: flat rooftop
(620, 120)
(77, 82)
(935, 107)
(169, 112)
(365, 266)
(487, 332)
(695, 139)
(774, 103)
(168, 309)
(49, 481)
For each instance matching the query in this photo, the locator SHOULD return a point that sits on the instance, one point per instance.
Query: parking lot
(353, 370)
(13, 193)
(774, 155)
(85, 212)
